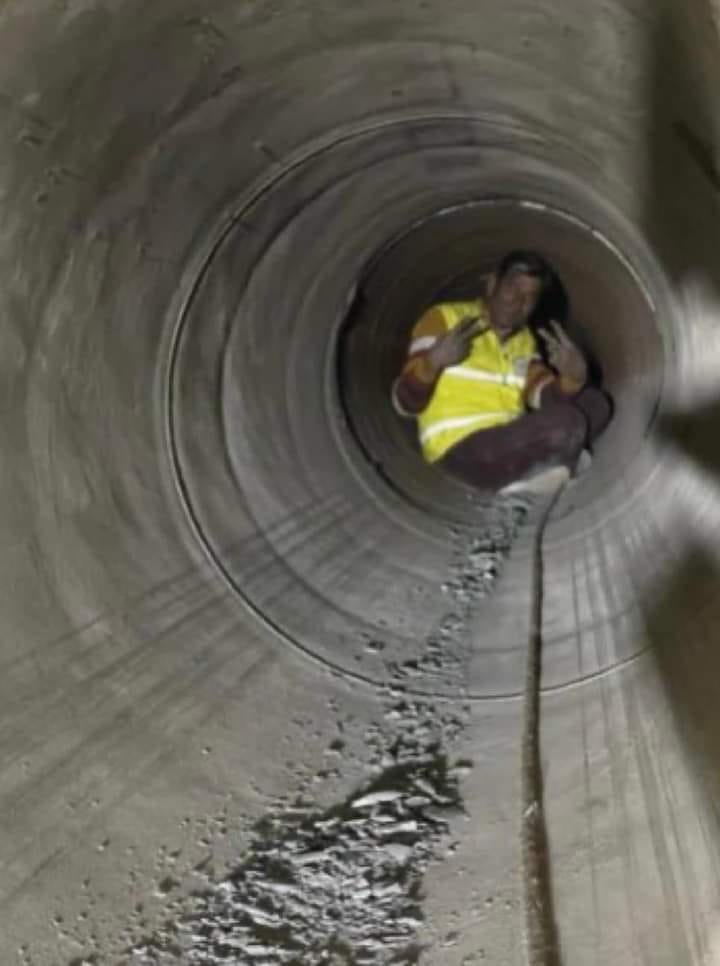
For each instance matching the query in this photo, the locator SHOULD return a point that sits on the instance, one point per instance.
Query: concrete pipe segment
(261, 667)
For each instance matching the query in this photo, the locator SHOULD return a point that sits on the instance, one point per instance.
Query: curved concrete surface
(213, 546)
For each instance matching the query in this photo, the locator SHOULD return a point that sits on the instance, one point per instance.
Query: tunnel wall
(196, 549)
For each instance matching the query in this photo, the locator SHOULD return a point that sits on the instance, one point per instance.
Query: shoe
(582, 467)
(583, 464)
(544, 483)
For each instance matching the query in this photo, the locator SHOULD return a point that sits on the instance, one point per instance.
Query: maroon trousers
(553, 435)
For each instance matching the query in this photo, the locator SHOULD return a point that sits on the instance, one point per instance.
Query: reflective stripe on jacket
(483, 391)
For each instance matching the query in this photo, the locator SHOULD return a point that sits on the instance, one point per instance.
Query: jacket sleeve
(543, 384)
(413, 389)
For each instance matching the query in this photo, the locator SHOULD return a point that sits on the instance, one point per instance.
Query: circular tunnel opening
(283, 354)
(610, 313)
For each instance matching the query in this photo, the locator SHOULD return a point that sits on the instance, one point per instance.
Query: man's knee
(597, 408)
(569, 430)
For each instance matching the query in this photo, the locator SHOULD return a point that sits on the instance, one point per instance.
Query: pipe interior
(219, 223)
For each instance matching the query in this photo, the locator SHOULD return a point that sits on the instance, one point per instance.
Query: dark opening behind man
(488, 408)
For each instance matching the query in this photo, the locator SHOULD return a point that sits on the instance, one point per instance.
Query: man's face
(512, 300)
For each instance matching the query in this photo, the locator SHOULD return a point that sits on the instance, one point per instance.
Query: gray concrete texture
(212, 547)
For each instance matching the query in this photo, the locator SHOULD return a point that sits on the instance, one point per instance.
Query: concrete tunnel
(219, 220)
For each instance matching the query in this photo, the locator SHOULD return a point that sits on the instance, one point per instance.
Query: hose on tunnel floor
(540, 927)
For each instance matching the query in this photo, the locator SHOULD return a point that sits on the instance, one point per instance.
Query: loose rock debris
(338, 887)
(343, 886)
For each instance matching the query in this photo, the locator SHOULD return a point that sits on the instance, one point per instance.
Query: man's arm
(539, 379)
(413, 388)
(568, 374)
(433, 347)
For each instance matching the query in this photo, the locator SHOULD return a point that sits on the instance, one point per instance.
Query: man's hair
(527, 263)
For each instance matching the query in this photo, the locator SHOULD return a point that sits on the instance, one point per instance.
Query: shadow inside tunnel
(681, 621)
(681, 209)
(682, 177)
(695, 434)
(686, 643)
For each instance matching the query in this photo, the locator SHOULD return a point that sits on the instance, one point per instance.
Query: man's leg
(553, 436)
(597, 409)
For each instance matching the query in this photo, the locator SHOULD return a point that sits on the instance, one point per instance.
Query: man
(488, 409)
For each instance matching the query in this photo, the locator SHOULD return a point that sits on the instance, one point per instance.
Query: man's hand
(564, 356)
(454, 347)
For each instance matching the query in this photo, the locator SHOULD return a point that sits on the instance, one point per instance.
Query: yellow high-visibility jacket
(489, 388)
